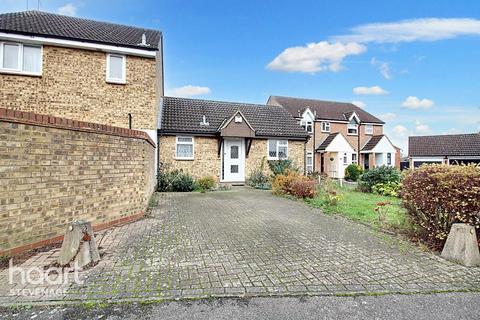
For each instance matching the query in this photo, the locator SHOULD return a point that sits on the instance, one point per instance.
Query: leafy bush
(382, 174)
(281, 166)
(436, 196)
(258, 179)
(390, 189)
(353, 172)
(175, 180)
(294, 184)
(206, 183)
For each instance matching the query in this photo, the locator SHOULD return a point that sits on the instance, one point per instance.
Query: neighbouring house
(226, 140)
(444, 149)
(81, 69)
(340, 134)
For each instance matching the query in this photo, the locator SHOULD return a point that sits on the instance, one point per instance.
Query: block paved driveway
(246, 242)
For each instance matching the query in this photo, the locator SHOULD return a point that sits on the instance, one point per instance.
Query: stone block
(462, 245)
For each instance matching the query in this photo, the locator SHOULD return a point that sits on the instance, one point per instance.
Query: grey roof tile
(445, 145)
(328, 110)
(58, 26)
(182, 115)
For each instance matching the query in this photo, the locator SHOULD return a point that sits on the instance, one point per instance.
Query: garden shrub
(303, 188)
(390, 189)
(258, 179)
(281, 166)
(353, 172)
(175, 180)
(295, 184)
(436, 196)
(206, 183)
(382, 174)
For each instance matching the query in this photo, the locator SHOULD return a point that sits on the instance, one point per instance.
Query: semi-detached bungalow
(226, 140)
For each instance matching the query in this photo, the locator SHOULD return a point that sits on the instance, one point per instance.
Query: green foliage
(382, 174)
(281, 166)
(174, 181)
(206, 183)
(436, 196)
(390, 189)
(353, 172)
(258, 179)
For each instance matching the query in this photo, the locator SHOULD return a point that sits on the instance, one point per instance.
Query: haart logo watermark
(38, 281)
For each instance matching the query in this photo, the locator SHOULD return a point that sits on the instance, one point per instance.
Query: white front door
(234, 160)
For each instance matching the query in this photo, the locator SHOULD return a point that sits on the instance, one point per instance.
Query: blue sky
(415, 64)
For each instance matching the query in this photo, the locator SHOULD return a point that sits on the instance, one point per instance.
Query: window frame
(354, 161)
(326, 123)
(389, 158)
(184, 143)
(277, 145)
(345, 158)
(352, 126)
(20, 57)
(309, 154)
(367, 131)
(305, 125)
(124, 69)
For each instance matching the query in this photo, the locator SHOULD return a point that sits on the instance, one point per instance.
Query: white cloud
(400, 132)
(412, 102)
(315, 57)
(452, 131)
(375, 90)
(383, 67)
(68, 10)
(189, 91)
(426, 29)
(421, 128)
(389, 116)
(359, 104)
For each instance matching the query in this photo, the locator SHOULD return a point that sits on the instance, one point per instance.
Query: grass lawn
(360, 206)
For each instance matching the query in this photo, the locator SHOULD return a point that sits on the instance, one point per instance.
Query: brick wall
(73, 85)
(208, 163)
(54, 171)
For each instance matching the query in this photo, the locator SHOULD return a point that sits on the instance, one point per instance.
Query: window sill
(325, 131)
(368, 134)
(116, 81)
(20, 73)
(352, 134)
(184, 159)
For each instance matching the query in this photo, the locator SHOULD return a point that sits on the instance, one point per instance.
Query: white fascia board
(439, 159)
(308, 115)
(77, 44)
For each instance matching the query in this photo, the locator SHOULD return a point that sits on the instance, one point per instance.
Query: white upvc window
(389, 159)
(307, 125)
(184, 148)
(369, 129)
(352, 128)
(345, 158)
(277, 149)
(325, 126)
(309, 161)
(19, 58)
(116, 68)
(354, 158)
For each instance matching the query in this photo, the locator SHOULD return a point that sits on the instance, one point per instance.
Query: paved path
(244, 243)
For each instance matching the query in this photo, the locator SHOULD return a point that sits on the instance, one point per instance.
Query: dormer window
(116, 68)
(20, 58)
(352, 128)
(238, 119)
(325, 126)
(307, 125)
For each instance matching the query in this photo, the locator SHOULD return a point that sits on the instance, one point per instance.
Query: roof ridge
(223, 102)
(313, 99)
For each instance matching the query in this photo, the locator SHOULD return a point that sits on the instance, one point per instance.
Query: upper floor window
(20, 58)
(325, 126)
(116, 68)
(352, 127)
(368, 129)
(307, 125)
(277, 149)
(184, 148)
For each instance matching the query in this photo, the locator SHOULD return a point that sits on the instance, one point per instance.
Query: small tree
(353, 172)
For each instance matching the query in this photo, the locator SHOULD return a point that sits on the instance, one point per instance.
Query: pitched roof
(57, 26)
(182, 115)
(324, 145)
(328, 110)
(374, 140)
(445, 145)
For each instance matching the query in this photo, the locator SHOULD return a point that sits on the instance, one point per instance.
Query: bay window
(184, 149)
(277, 149)
(20, 58)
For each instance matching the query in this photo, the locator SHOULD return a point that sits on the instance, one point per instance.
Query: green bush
(382, 174)
(390, 189)
(436, 196)
(281, 166)
(174, 181)
(258, 179)
(206, 183)
(353, 172)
